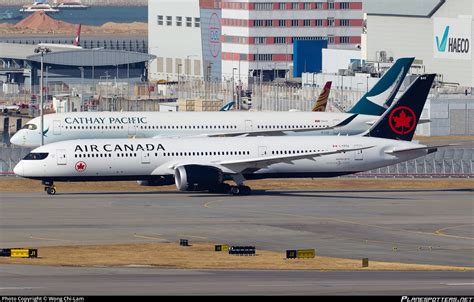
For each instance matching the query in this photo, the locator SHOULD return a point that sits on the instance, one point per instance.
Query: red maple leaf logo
(80, 166)
(402, 120)
(405, 122)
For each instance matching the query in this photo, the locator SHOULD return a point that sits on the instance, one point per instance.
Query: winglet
(400, 120)
(346, 121)
(228, 106)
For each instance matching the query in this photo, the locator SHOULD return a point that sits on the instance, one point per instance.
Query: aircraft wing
(237, 166)
(270, 132)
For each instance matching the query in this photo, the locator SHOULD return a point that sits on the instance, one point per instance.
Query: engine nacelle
(162, 181)
(197, 178)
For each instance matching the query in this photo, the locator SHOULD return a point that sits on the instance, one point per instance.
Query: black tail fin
(400, 120)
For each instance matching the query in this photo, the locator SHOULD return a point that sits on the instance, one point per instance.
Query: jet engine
(197, 178)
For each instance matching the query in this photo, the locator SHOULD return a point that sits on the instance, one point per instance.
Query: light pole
(209, 71)
(233, 84)
(42, 50)
(188, 65)
(179, 75)
(240, 90)
(82, 87)
(46, 89)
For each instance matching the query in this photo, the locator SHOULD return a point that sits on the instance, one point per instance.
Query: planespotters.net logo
(437, 299)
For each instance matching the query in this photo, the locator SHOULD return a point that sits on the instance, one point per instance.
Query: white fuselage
(135, 159)
(88, 125)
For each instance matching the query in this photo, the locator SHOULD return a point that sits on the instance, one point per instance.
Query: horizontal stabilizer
(430, 149)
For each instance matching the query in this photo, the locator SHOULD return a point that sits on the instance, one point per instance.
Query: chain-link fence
(266, 97)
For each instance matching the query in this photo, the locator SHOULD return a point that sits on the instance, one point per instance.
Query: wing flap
(262, 162)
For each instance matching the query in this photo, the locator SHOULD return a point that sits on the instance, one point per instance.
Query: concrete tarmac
(36, 280)
(411, 226)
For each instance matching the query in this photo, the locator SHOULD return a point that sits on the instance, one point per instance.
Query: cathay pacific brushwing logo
(382, 98)
(442, 44)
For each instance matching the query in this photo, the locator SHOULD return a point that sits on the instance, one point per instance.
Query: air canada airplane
(203, 164)
(87, 125)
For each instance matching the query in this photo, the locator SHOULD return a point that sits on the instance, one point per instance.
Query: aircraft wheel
(51, 190)
(235, 191)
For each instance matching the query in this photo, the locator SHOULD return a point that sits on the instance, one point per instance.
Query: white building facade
(241, 39)
(258, 35)
(438, 33)
(185, 37)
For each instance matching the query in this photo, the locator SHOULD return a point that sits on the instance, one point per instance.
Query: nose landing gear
(50, 188)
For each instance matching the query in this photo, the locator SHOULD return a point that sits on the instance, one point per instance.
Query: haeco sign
(452, 38)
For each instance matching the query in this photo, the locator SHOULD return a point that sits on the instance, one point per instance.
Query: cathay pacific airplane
(203, 164)
(381, 96)
(85, 125)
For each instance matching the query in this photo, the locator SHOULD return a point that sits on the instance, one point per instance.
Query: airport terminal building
(20, 66)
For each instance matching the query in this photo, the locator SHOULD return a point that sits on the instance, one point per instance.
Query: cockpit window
(36, 156)
(30, 127)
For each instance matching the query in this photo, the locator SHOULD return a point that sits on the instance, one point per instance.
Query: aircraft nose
(19, 169)
(16, 139)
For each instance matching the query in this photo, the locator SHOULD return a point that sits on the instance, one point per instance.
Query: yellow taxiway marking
(192, 236)
(208, 204)
(43, 238)
(149, 237)
(440, 232)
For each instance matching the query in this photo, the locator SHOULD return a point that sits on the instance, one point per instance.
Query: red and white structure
(258, 35)
(241, 39)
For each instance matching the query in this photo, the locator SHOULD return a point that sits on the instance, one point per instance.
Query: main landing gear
(49, 187)
(225, 188)
(240, 189)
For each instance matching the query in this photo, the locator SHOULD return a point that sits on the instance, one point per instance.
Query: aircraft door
(61, 157)
(56, 127)
(359, 155)
(145, 157)
(262, 151)
(248, 125)
(132, 130)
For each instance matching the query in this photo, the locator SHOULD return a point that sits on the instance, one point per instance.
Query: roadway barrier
(183, 242)
(300, 254)
(5, 252)
(242, 250)
(19, 253)
(221, 248)
(291, 254)
(306, 254)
